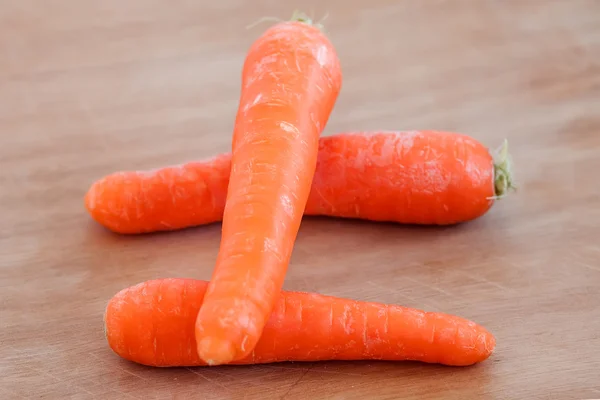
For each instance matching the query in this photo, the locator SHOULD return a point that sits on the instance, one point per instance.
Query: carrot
(290, 82)
(161, 199)
(152, 323)
(423, 177)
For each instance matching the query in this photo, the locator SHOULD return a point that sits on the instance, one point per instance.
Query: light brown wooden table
(90, 87)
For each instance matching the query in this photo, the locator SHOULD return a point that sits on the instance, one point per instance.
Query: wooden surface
(90, 87)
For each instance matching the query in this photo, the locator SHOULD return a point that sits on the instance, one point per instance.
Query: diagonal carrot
(290, 82)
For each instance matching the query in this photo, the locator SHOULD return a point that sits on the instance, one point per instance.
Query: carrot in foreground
(290, 81)
(418, 177)
(152, 323)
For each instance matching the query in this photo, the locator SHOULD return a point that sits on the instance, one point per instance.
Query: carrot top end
(503, 173)
(104, 319)
(299, 16)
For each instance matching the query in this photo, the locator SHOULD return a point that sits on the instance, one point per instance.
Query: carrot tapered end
(216, 351)
(489, 344)
(485, 344)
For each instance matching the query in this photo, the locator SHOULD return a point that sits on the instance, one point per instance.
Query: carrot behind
(152, 323)
(413, 177)
(290, 82)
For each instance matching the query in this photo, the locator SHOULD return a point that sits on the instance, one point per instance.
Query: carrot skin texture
(290, 82)
(163, 199)
(424, 177)
(414, 177)
(152, 323)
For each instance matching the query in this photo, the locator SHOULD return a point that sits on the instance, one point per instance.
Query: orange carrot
(152, 323)
(424, 177)
(290, 82)
(161, 199)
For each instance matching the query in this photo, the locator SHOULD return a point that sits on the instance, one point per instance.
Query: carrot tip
(503, 173)
(216, 351)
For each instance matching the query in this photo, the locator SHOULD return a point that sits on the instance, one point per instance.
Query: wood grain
(90, 87)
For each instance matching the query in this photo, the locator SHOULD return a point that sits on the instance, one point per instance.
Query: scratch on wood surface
(62, 381)
(94, 355)
(397, 292)
(481, 279)
(281, 367)
(113, 389)
(293, 385)
(131, 373)
(27, 353)
(97, 357)
(206, 378)
(314, 369)
(121, 393)
(246, 381)
(432, 287)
